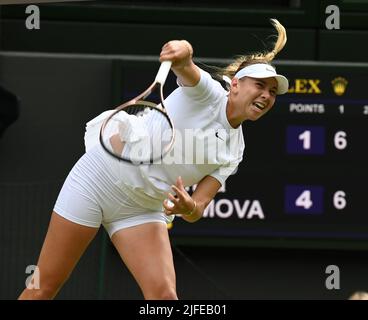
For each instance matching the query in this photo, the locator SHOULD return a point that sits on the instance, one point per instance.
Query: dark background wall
(218, 30)
(63, 75)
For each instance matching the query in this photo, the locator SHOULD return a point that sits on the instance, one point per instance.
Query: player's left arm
(184, 204)
(206, 190)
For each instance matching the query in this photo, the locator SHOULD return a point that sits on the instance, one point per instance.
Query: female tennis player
(134, 203)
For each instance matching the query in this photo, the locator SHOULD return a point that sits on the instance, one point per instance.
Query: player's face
(255, 96)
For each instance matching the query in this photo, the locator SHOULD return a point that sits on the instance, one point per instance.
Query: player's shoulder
(213, 76)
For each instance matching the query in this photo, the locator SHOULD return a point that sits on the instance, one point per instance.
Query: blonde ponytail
(281, 40)
(264, 57)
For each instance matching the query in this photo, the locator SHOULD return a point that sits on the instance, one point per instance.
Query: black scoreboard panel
(304, 174)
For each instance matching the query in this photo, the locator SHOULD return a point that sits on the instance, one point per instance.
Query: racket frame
(140, 99)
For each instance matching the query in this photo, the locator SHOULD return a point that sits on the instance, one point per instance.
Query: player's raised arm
(180, 52)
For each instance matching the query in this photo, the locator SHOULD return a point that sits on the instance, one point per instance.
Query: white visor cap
(263, 70)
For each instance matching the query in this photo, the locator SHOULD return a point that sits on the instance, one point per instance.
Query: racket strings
(140, 134)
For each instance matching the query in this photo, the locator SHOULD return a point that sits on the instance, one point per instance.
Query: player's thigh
(64, 244)
(146, 251)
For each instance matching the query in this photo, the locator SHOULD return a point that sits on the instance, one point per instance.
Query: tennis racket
(140, 131)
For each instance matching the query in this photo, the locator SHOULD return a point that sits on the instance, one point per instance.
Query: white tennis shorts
(103, 190)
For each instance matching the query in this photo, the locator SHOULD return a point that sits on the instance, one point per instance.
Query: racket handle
(163, 72)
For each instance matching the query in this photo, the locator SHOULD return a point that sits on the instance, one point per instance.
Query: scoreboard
(304, 176)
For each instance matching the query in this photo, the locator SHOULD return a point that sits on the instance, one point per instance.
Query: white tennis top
(205, 142)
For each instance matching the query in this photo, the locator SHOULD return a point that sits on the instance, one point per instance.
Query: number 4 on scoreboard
(304, 199)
